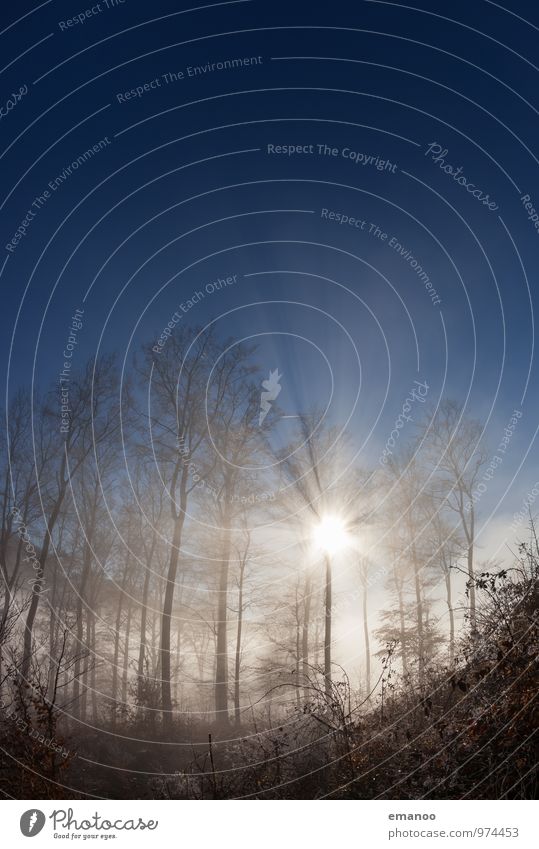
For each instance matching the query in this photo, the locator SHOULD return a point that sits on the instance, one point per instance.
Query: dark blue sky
(184, 191)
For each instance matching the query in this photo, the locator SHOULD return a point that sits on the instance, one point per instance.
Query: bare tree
(150, 493)
(238, 441)
(406, 482)
(320, 483)
(177, 432)
(455, 443)
(19, 507)
(242, 555)
(364, 577)
(58, 457)
(448, 548)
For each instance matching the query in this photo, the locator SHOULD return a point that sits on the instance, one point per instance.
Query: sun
(330, 535)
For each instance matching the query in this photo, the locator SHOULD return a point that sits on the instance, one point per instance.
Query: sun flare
(330, 535)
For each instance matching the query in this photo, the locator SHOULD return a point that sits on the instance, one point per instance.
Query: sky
(351, 187)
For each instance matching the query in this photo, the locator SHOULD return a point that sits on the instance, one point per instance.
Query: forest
(203, 597)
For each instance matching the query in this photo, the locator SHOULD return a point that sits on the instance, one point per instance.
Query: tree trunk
(9, 580)
(125, 675)
(166, 693)
(402, 626)
(366, 635)
(114, 688)
(305, 637)
(143, 620)
(88, 662)
(237, 665)
(53, 630)
(38, 584)
(86, 564)
(471, 575)
(419, 613)
(297, 665)
(317, 641)
(178, 648)
(92, 674)
(221, 654)
(451, 617)
(327, 631)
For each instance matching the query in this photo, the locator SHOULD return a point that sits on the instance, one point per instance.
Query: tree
(242, 556)
(59, 456)
(406, 484)
(364, 577)
(94, 495)
(18, 507)
(320, 483)
(447, 549)
(150, 493)
(177, 432)
(237, 441)
(455, 446)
